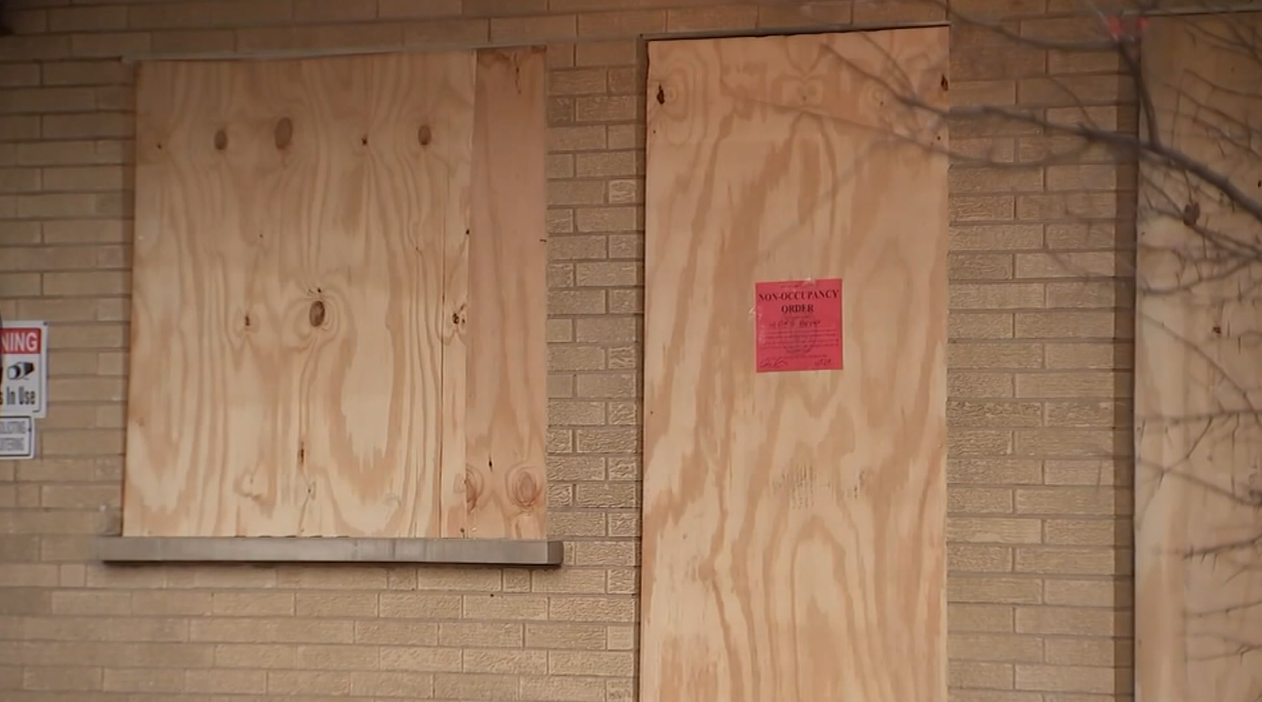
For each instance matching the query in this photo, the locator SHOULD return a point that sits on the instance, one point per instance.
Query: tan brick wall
(1039, 385)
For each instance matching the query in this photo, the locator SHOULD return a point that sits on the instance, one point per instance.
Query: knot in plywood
(524, 488)
(316, 314)
(284, 132)
(472, 489)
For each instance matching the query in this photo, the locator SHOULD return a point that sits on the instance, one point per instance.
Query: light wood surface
(302, 339)
(507, 380)
(1197, 391)
(794, 523)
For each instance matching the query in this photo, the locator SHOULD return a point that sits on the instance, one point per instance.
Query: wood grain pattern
(1198, 383)
(301, 338)
(455, 313)
(507, 382)
(794, 523)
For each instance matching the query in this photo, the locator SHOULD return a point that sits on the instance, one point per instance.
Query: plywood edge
(438, 551)
(506, 409)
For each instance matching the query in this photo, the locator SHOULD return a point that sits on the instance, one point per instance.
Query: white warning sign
(17, 438)
(24, 361)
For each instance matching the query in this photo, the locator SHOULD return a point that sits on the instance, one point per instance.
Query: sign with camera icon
(24, 363)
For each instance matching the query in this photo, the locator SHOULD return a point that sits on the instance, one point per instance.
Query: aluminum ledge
(194, 549)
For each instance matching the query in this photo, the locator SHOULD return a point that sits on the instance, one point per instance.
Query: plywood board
(1198, 383)
(794, 522)
(507, 410)
(302, 333)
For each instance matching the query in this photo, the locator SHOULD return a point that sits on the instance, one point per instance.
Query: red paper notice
(798, 325)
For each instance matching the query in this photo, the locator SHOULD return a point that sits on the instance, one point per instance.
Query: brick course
(1041, 318)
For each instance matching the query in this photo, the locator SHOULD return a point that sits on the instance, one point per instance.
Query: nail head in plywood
(794, 523)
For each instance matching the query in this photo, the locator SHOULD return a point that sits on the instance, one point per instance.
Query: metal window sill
(193, 549)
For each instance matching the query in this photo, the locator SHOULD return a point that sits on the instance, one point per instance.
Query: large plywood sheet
(794, 523)
(1198, 381)
(303, 334)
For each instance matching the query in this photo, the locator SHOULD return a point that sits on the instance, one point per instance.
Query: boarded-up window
(339, 298)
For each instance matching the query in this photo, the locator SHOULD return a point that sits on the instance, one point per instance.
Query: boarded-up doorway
(794, 521)
(1198, 387)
